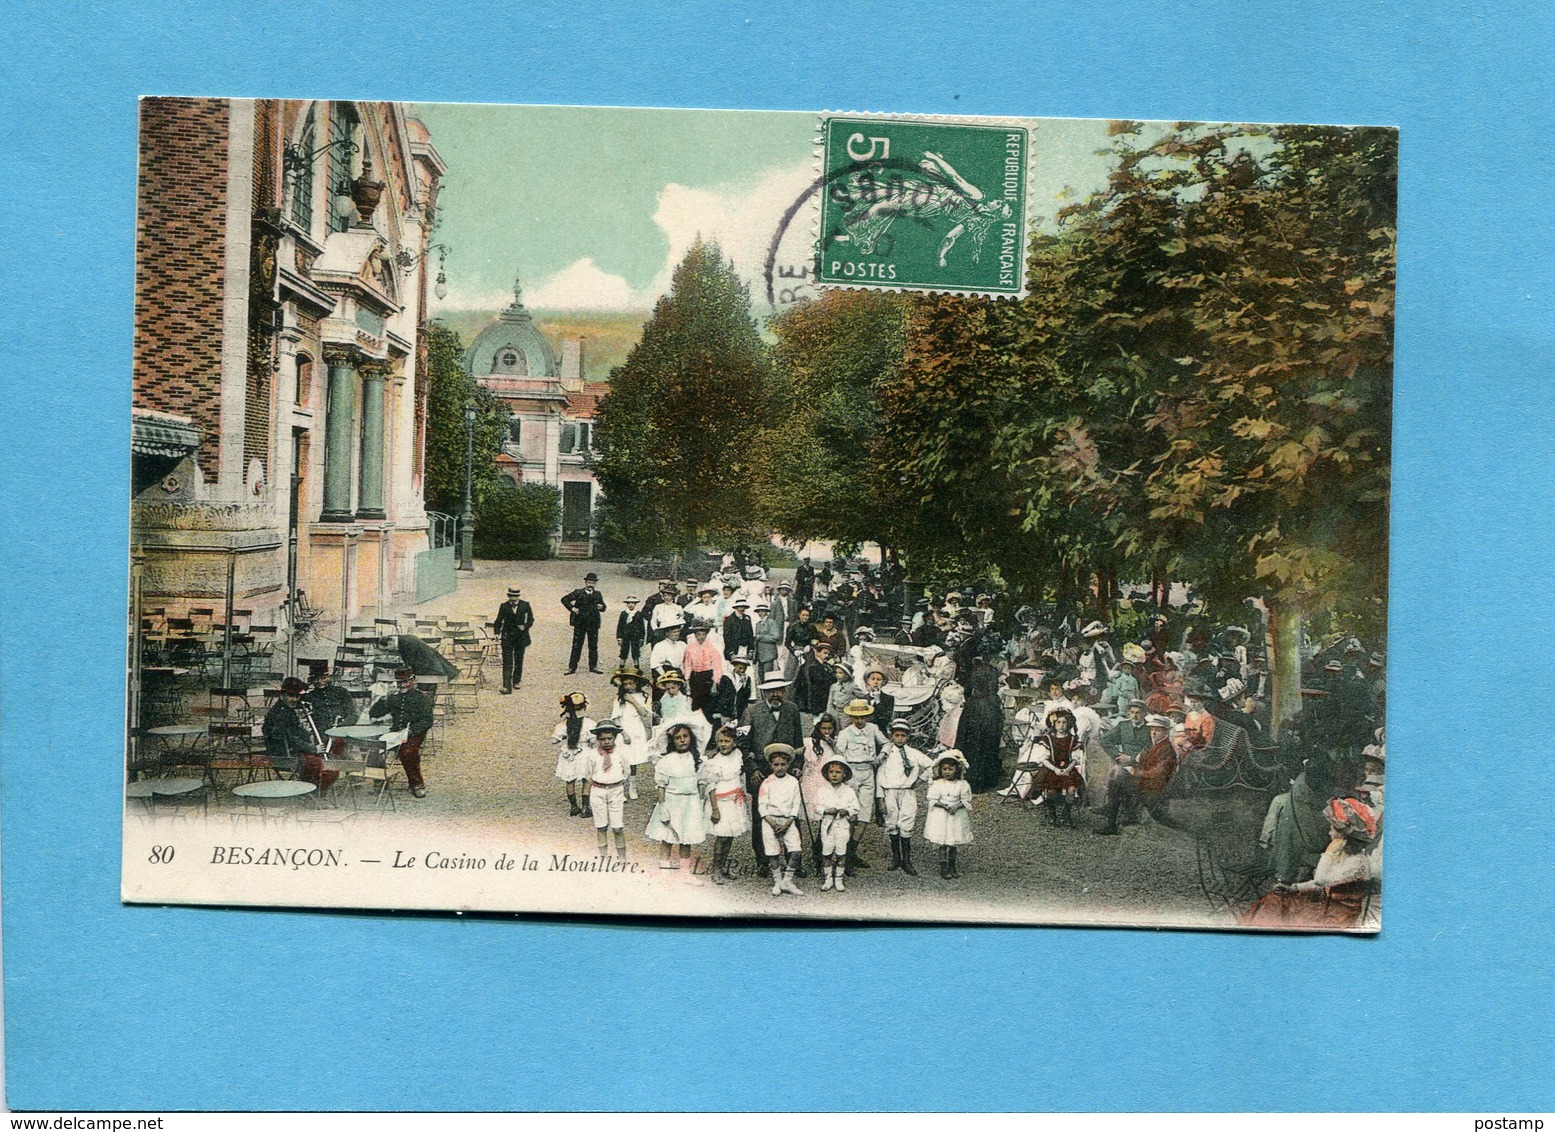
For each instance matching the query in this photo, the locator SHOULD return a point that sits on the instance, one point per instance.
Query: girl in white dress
(633, 710)
(728, 806)
(949, 800)
(572, 734)
(675, 707)
(677, 820)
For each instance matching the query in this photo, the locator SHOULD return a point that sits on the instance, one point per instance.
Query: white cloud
(742, 219)
(460, 298)
(583, 286)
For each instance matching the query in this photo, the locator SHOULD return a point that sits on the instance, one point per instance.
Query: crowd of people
(762, 709)
(800, 715)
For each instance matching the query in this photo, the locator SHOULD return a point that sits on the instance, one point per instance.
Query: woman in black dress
(979, 736)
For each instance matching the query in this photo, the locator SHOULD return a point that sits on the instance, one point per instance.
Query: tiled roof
(583, 402)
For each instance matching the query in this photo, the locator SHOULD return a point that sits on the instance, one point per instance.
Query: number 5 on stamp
(923, 205)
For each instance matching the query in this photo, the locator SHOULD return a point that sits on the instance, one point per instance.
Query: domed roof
(512, 346)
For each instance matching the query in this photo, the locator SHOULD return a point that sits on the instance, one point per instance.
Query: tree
(1197, 385)
(449, 389)
(817, 472)
(676, 429)
(517, 521)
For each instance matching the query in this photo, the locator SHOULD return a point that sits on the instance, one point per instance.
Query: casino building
(279, 397)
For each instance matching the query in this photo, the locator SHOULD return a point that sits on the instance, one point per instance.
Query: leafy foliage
(817, 476)
(677, 428)
(516, 522)
(449, 389)
(1196, 386)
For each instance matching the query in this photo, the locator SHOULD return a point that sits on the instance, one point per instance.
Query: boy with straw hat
(835, 805)
(859, 744)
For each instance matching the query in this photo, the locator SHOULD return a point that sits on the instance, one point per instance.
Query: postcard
(846, 516)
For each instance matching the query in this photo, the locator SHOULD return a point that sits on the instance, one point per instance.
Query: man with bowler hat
(586, 609)
(514, 620)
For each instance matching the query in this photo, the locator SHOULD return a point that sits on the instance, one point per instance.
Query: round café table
(175, 789)
(270, 795)
(366, 737)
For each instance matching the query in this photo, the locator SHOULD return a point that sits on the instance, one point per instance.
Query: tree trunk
(1285, 619)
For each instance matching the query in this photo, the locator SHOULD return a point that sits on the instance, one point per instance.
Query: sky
(592, 208)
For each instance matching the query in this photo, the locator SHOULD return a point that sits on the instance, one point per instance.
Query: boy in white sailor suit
(605, 769)
(902, 769)
(835, 805)
(860, 743)
(778, 803)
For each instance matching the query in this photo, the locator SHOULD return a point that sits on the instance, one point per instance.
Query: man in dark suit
(739, 633)
(804, 581)
(665, 592)
(631, 632)
(770, 719)
(812, 685)
(883, 703)
(514, 620)
(586, 608)
(410, 710)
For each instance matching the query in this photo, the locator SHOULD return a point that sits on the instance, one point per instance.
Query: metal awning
(162, 434)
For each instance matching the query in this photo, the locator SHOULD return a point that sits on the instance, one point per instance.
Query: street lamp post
(467, 519)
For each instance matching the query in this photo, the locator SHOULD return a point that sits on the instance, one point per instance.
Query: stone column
(339, 424)
(369, 500)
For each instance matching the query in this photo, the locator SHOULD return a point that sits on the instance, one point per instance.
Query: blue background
(116, 1007)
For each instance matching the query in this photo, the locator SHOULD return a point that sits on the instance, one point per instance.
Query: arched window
(510, 359)
(343, 124)
(304, 379)
(302, 185)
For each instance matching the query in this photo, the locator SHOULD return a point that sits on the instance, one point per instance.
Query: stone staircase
(574, 548)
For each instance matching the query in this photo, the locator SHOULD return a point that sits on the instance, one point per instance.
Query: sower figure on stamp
(586, 608)
(408, 710)
(512, 624)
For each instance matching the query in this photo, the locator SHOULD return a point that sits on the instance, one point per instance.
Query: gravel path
(495, 770)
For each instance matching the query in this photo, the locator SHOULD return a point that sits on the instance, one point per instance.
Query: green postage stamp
(923, 204)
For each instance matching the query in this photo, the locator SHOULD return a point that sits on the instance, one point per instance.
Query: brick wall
(179, 247)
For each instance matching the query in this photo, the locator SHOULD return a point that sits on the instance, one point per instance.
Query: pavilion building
(551, 434)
